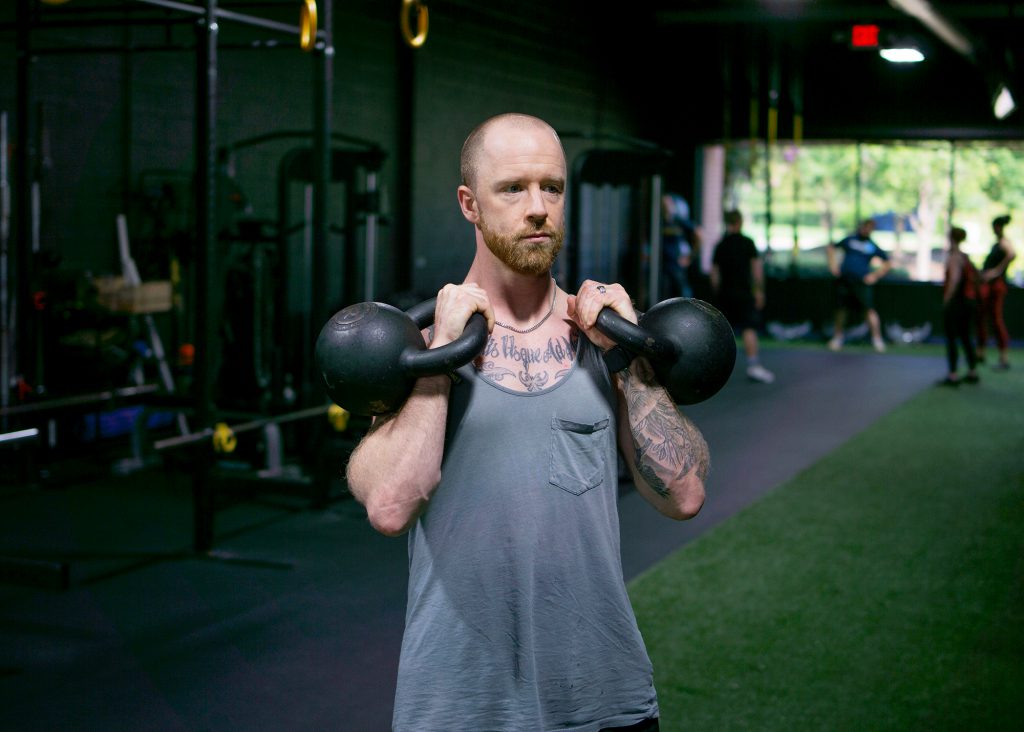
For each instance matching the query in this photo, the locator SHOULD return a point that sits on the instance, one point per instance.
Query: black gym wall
(110, 119)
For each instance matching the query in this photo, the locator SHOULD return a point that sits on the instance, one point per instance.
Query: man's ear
(468, 204)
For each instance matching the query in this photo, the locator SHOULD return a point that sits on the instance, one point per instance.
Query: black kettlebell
(688, 342)
(370, 354)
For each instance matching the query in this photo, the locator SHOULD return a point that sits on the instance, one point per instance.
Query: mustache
(553, 233)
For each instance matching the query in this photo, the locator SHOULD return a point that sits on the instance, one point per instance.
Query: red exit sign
(864, 36)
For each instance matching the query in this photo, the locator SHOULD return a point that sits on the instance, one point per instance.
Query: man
(679, 246)
(737, 278)
(505, 476)
(855, 277)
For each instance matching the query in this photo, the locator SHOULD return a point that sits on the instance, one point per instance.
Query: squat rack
(315, 32)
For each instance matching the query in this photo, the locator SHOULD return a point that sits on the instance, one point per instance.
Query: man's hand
(591, 299)
(455, 304)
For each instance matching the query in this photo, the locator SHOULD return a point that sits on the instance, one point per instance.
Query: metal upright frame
(208, 15)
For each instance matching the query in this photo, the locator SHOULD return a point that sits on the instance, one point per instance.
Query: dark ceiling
(714, 57)
(696, 66)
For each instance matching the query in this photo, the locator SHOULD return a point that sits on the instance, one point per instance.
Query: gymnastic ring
(224, 438)
(307, 25)
(422, 22)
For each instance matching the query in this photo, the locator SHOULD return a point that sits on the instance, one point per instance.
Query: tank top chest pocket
(577, 454)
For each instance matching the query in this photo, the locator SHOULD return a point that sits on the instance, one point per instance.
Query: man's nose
(536, 209)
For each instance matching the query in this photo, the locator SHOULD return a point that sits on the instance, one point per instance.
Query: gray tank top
(518, 618)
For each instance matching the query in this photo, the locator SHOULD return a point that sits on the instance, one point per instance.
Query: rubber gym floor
(304, 632)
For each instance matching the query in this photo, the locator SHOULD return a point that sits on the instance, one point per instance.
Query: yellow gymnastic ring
(307, 25)
(338, 417)
(224, 438)
(422, 22)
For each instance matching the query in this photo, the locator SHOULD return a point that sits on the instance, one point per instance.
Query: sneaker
(760, 373)
(971, 379)
(948, 382)
(1001, 366)
(836, 343)
(879, 345)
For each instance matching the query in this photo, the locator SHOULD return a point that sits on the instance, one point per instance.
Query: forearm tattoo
(668, 445)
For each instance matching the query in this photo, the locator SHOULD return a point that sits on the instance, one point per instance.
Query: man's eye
(553, 189)
(513, 188)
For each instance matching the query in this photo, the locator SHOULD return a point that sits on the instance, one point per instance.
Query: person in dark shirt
(959, 301)
(855, 277)
(993, 294)
(737, 278)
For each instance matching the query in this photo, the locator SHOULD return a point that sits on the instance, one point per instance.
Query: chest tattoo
(534, 365)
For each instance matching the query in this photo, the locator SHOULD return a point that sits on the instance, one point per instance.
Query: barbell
(370, 354)
(223, 437)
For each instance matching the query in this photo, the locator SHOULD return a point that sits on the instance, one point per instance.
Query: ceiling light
(1003, 105)
(901, 55)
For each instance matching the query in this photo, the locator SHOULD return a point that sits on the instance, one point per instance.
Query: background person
(679, 246)
(855, 277)
(505, 476)
(993, 294)
(959, 308)
(737, 279)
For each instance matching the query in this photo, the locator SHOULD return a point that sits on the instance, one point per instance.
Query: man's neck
(516, 296)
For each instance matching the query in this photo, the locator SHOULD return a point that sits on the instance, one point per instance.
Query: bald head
(472, 148)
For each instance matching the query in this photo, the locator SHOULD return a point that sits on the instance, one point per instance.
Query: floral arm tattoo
(668, 445)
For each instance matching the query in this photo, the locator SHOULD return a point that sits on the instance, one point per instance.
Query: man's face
(520, 197)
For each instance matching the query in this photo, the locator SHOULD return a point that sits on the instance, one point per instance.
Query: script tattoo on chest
(527, 366)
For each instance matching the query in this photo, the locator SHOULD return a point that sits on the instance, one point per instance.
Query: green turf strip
(880, 589)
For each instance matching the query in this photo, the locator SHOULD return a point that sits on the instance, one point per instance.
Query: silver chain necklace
(506, 326)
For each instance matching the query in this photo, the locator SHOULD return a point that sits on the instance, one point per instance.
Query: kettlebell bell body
(370, 354)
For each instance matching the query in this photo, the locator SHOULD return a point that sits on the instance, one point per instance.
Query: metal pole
(655, 237)
(405, 106)
(371, 238)
(323, 57)
(952, 183)
(20, 307)
(226, 15)
(860, 162)
(207, 270)
(5, 223)
(771, 137)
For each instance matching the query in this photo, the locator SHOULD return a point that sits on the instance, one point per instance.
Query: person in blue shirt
(863, 264)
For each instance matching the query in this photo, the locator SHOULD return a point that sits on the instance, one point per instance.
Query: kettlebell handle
(450, 356)
(635, 338)
(690, 345)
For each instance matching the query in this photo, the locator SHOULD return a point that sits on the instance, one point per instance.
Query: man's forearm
(669, 455)
(396, 468)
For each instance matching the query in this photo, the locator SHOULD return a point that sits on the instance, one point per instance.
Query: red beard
(526, 258)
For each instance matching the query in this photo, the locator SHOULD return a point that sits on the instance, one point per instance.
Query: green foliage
(819, 190)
